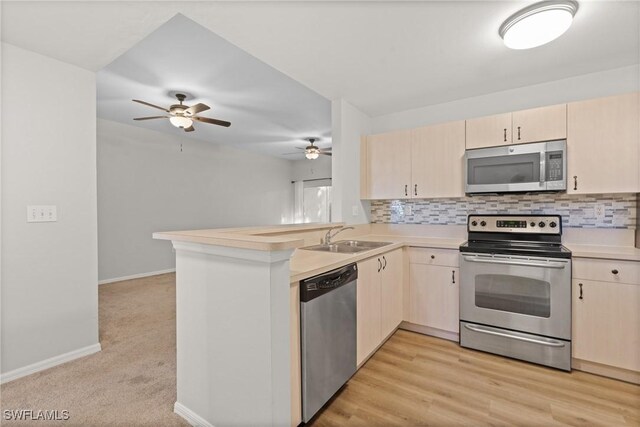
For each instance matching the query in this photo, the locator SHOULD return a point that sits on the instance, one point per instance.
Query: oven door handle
(491, 331)
(554, 264)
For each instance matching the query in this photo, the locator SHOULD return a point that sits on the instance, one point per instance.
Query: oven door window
(513, 169)
(514, 294)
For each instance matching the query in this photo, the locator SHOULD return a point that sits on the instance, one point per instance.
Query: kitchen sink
(347, 246)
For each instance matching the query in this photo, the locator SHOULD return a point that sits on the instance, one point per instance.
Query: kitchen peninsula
(237, 299)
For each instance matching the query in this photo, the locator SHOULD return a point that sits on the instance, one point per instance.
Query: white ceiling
(380, 56)
(269, 112)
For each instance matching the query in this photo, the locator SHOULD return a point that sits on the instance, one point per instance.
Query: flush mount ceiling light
(538, 24)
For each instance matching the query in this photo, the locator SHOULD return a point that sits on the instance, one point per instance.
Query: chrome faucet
(329, 236)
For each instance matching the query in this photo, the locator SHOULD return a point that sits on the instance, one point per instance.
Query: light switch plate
(42, 213)
(355, 210)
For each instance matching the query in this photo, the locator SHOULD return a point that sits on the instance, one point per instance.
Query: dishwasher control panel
(316, 286)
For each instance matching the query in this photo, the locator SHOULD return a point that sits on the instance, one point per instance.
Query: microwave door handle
(516, 262)
(543, 168)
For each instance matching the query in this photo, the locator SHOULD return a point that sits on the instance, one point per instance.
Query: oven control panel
(535, 224)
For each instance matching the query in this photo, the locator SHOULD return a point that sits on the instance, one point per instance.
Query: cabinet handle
(518, 133)
(580, 285)
(406, 190)
(575, 182)
(453, 276)
(379, 265)
(505, 134)
(614, 271)
(385, 262)
(415, 190)
(433, 257)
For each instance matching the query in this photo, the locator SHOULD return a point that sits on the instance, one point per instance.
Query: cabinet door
(368, 307)
(434, 296)
(437, 160)
(540, 124)
(606, 323)
(489, 131)
(389, 165)
(391, 292)
(603, 145)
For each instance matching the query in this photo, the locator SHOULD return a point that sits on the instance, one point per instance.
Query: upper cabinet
(603, 145)
(421, 163)
(437, 154)
(388, 166)
(489, 131)
(536, 124)
(540, 124)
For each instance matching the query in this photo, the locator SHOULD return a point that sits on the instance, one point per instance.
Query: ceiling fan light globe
(181, 122)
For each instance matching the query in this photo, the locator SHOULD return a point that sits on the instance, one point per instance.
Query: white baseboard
(190, 416)
(136, 276)
(49, 363)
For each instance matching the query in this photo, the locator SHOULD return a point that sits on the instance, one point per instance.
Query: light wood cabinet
(533, 125)
(437, 160)
(388, 174)
(434, 293)
(603, 145)
(539, 124)
(489, 131)
(368, 307)
(379, 306)
(606, 323)
(391, 292)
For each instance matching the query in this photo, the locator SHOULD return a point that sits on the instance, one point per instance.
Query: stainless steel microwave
(540, 166)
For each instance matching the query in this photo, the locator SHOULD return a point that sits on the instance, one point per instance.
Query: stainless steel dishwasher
(328, 335)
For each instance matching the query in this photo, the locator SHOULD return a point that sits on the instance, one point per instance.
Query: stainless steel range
(515, 288)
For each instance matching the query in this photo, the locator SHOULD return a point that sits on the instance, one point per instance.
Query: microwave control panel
(555, 166)
(533, 224)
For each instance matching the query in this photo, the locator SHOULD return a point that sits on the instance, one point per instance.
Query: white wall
(611, 82)
(311, 169)
(49, 270)
(348, 124)
(146, 184)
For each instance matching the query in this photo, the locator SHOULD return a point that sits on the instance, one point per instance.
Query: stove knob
(541, 224)
(483, 223)
(533, 224)
(474, 223)
(552, 224)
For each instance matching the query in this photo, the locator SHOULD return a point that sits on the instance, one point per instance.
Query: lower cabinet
(606, 317)
(434, 288)
(379, 306)
(434, 296)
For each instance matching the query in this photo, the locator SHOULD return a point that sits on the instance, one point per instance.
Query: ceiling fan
(182, 116)
(312, 151)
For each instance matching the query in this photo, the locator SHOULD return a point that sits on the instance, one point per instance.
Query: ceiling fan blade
(326, 154)
(290, 154)
(150, 105)
(189, 129)
(195, 109)
(151, 118)
(212, 121)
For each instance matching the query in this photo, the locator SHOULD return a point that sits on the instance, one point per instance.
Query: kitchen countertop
(267, 238)
(305, 264)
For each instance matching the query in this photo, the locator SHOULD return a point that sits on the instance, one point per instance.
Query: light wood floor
(418, 380)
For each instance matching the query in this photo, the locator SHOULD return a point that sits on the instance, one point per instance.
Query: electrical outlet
(599, 211)
(408, 210)
(42, 213)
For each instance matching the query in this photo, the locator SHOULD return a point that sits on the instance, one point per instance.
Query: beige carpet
(131, 382)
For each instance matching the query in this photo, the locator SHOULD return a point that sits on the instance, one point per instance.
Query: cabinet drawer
(604, 270)
(444, 257)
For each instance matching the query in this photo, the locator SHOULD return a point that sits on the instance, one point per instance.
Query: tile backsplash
(620, 210)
